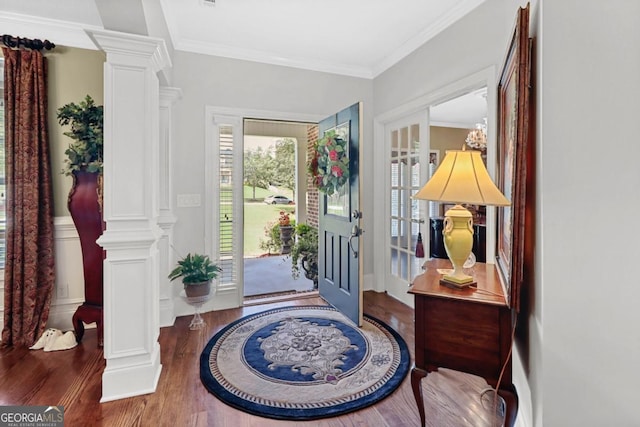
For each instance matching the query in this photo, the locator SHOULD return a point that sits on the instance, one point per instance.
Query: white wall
(582, 344)
(230, 83)
(589, 169)
(474, 43)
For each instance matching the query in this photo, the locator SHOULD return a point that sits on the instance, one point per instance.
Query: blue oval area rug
(303, 363)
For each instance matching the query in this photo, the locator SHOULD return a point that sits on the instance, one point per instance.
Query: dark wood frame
(513, 131)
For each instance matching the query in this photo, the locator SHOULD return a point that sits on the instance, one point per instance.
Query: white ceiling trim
(425, 35)
(62, 33)
(205, 48)
(269, 58)
(459, 125)
(246, 113)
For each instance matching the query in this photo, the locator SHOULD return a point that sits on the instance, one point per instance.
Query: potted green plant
(304, 253)
(86, 120)
(197, 272)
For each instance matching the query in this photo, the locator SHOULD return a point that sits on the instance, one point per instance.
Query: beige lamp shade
(462, 178)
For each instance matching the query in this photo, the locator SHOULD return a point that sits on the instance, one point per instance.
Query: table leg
(417, 375)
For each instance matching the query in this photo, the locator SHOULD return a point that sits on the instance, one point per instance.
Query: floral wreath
(330, 165)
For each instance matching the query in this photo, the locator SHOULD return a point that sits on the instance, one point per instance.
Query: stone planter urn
(196, 290)
(286, 237)
(309, 263)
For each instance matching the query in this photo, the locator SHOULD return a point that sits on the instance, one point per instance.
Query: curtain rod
(20, 42)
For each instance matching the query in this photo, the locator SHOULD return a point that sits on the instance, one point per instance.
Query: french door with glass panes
(407, 171)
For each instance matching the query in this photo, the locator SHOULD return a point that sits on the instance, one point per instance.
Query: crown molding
(458, 125)
(212, 111)
(306, 63)
(424, 36)
(132, 45)
(270, 58)
(213, 49)
(62, 33)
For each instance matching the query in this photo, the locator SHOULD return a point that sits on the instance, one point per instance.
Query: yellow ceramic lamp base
(458, 242)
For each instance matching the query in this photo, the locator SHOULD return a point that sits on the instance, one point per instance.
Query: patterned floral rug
(302, 363)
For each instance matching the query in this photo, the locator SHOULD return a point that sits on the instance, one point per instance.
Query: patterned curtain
(29, 267)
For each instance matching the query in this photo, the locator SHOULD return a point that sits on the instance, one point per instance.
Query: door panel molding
(341, 273)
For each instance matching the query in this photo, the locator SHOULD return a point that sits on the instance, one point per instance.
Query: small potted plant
(197, 272)
(304, 253)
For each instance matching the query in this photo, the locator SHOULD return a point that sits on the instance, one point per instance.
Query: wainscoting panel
(69, 285)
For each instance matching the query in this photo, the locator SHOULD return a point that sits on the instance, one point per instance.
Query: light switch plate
(188, 200)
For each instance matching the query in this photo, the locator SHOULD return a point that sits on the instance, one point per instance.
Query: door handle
(355, 232)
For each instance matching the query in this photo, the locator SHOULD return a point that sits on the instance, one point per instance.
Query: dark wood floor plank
(72, 378)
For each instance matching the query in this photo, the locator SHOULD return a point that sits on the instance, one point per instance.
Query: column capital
(131, 48)
(169, 95)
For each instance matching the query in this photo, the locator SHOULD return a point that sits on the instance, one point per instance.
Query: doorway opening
(456, 122)
(277, 198)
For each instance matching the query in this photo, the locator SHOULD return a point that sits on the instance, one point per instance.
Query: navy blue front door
(340, 251)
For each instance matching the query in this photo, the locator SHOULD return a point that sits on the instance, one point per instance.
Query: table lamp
(460, 178)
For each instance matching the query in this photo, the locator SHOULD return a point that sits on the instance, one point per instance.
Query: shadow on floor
(269, 275)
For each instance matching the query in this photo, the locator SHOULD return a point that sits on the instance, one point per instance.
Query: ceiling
(353, 37)
(360, 38)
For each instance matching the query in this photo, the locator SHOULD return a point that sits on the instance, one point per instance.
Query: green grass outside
(261, 193)
(257, 215)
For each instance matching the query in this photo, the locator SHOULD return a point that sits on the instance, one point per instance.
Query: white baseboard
(130, 378)
(369, 282)
(61, 313)
(167, 312)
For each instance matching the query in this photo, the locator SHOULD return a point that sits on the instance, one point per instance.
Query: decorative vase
(286, 233)
(197, 290)
(85, 206)
(458, 242)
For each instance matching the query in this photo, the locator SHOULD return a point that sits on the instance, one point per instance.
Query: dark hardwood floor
(72, 378)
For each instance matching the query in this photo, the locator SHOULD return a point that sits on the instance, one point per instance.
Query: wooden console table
(466, 330)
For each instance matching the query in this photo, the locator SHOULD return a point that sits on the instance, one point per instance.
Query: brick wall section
(312, 190)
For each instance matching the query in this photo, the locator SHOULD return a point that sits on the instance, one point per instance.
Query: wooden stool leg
(87, 313)
(417, 375)
(78, 326)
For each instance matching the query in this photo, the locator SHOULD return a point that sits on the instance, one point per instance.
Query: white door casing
(485, 77)
(230, 291)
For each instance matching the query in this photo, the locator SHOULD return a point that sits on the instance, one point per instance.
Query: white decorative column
(168, 97)
(131, 200)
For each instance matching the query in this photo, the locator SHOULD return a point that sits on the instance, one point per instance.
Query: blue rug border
(302, 414)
